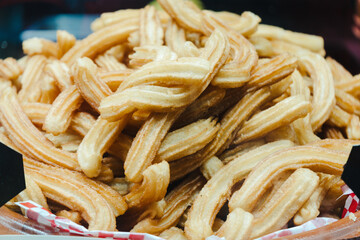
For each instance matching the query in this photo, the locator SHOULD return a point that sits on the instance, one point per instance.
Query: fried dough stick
(89, 85)
(229, 125)
(315, 158)
(27, 137)
(173, 233)
(216, 191)
(30, 80)
(293, 193)
(10, 69)
(238, 225)
(280, 114)
(74, 194)
(96, 142)
(59, 116)
(323, 84)
(187, 140)
(113, 198)
(302, 127)
(159, 98)
(245, 24)
(177, 202)
(153, 187)
(99, 41)
(65, 41)
(146, 144)
(310, 209)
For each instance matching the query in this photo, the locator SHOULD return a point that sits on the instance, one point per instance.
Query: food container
(12, 223)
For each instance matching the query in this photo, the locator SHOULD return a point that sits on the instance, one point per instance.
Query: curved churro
(235, 72)
(60, 72)
(114, 79)
(30, 80)
(200, 108)
(318, 159)
(96, 142)
(73, 216)
(245, 24)
(156, 179)
(229, 125)
(109, 62)
(238, 225)
(27, 137)
(99, 41)
(76, 195)
(65, 41)
(146, 143)
(185, 13)
(293, 193)
(339, 117)
(211, 167)
(87, 82)
(340, 74)
(49, 89)
(149, 53)
(113, 199)
(111, 18)
(81, 122)
(40, 46)
(150, 29)
(323, 83)
(278, 115)
(176, 203)
(302, 127)
(173, 233)
(230, 154)
(353, 128)
(59, 116)
(347, 102)
(176, 40)
(311, 42)
(32, 192)
(36, 112)
(215, 192)
(9, 68)
(333, 133)
(187, 140)
(352, 87)
(310, 209)
(272, 71)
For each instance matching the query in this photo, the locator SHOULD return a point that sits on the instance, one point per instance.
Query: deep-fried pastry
(30, 80)
(146, 143)
(156, 179)
(176, 203)
(310, 209)
(65, 41)
(340, 74)
(187, 140)
(108, 62)
(32, 192)
(216, 191)
(238, 225)
(173, 233)
(293, 193)
(27, 137)
(9, 68)
(36, 112)
(73, 216)
(96, 142)
(151, 31)
(280, 114)
(91, 88)
(318, 159)
(211, 167)
(40, 46)
(59, 115)
(60, 72)
(230, 154)
(99, 41)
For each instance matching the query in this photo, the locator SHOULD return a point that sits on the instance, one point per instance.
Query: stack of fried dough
(159, 118)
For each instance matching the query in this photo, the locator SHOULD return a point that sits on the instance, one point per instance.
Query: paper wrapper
(351, 203)
(43, 216)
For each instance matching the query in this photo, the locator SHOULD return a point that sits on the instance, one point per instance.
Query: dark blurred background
(332, 19)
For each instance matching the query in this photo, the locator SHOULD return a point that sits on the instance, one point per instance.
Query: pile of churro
(160, 118)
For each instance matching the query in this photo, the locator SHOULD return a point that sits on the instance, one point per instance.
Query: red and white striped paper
(351, 203)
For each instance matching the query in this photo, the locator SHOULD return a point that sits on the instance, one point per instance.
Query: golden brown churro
(59, 115)
(9, 68)
(65, 41)
(215, 192)
(40, 46)
(27, 137)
